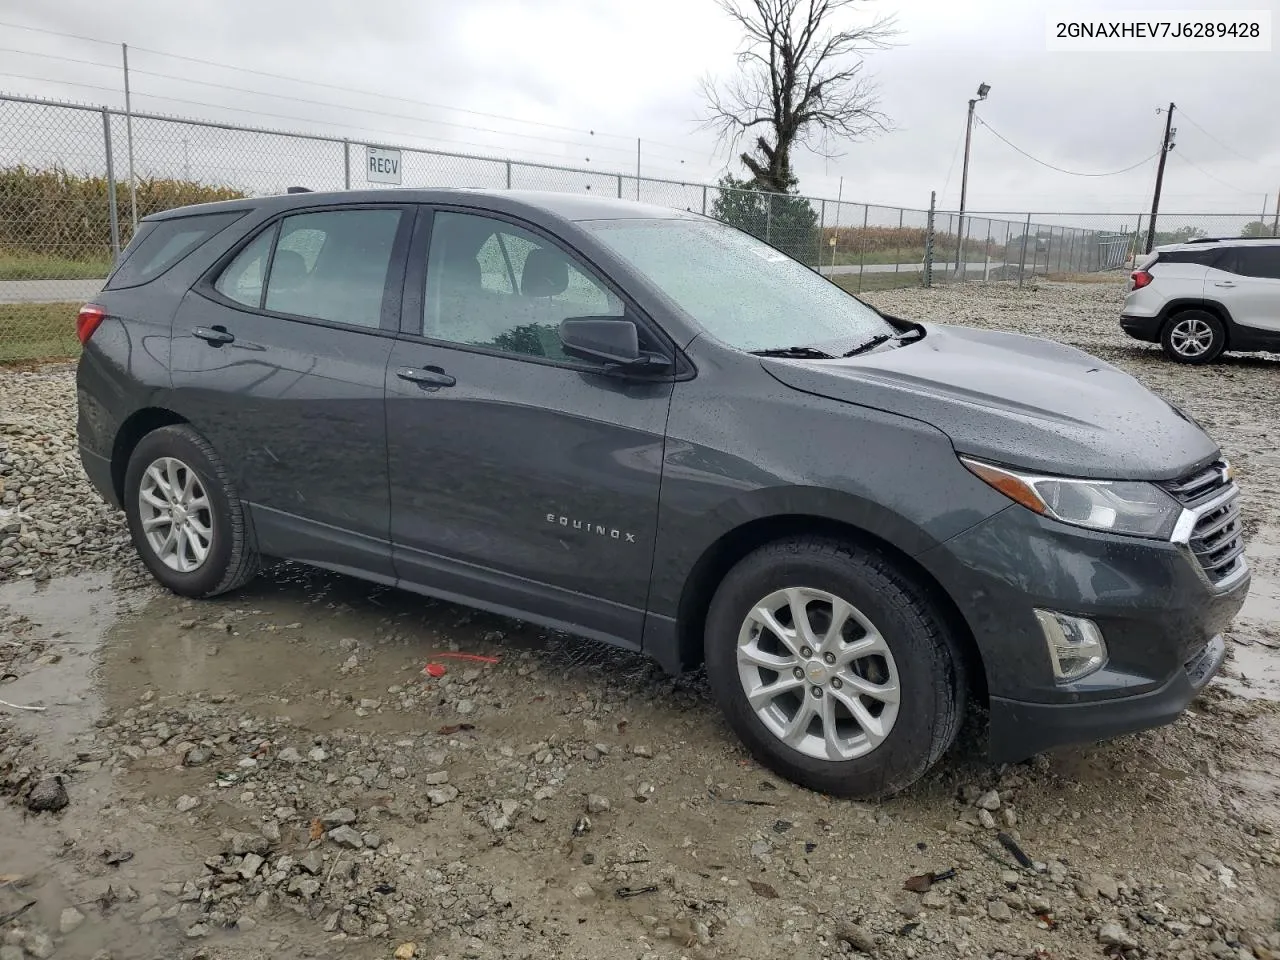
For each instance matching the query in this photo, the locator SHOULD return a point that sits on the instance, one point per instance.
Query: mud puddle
(316, 649)
(71, 617)
(1253, 670)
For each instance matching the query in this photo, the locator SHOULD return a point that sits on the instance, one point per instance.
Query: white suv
(1200, 298)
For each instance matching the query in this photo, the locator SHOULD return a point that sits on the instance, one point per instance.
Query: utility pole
(1275, 224)
(1165, 146)
(983, 90)
(128, 119)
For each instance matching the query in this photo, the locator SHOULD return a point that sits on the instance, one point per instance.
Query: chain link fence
(76, 179)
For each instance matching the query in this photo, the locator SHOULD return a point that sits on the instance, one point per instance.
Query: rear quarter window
(165, 244)
(1202, 258)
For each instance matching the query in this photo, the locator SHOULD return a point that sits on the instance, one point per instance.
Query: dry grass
(38, 331)
(1115, 277)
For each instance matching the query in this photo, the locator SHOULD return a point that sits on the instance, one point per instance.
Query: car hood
(1017, 400)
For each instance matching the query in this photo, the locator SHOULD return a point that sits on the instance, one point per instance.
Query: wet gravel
(307, 768)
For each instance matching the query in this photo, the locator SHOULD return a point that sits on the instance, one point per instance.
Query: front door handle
(216, 336)
(426, 376)
(1224, 283)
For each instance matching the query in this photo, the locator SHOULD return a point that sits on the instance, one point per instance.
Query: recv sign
(382, 165)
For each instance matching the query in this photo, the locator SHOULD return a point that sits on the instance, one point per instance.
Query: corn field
(56, 214)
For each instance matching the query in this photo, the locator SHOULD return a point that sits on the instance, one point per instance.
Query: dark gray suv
(647, 427)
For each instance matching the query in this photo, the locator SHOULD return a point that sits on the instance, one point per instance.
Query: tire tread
(913, 602)
(243, 562)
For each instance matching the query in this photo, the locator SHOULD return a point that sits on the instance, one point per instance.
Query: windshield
(739, 289)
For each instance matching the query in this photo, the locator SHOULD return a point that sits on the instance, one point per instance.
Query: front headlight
(1117, 506)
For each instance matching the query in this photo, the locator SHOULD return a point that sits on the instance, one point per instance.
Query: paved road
(976, 266)
(48, 291)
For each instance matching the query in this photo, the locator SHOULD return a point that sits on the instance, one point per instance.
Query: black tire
(930, 670)
(1172, 336)
(232, 558)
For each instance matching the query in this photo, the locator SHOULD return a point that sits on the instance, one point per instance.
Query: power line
(59, 33)
(680, 176)
(1074, 173)
(1221, 144)
(341, 88)
(1185, 159)
(324, 103)
(951, 166)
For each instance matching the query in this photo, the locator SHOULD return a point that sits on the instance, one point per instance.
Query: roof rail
(1225, 239)
(299, 190)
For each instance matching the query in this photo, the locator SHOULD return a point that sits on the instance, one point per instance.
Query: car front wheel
(1194, 336)
(834, 667)
(186, 519)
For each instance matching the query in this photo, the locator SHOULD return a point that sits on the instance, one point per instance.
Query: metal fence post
(897, 249)
(768, 218)
(128, 117)
(346, 164)
(927, 274)
(862, 247)
(508, 165)
(704, 199)
(619, 186)
(1022, 264)
(822, 232)
(112, 213)
(986, 255)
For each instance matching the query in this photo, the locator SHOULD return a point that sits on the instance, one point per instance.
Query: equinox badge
(613, 533)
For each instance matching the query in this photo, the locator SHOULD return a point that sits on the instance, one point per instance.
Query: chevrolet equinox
(647, 427)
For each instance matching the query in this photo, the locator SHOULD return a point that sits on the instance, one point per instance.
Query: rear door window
(245, 277)
(1262, 262)
(333, 265)
(165, 244)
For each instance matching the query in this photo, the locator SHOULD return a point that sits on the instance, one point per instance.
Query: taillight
(90, 317)
(1140, 279)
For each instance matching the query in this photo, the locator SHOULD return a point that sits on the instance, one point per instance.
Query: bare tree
(801, 83)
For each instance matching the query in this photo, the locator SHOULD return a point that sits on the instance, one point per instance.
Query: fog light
(1076, 647)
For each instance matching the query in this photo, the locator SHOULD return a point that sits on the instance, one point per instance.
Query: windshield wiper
(914, 333)
(797, 353)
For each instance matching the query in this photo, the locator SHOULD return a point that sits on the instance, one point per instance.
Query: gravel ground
(274, 774)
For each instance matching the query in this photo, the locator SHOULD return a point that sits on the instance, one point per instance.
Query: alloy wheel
(1191, 337)
(818, 674)
(176, 515)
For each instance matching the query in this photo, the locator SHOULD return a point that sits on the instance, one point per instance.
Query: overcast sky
(626, 70)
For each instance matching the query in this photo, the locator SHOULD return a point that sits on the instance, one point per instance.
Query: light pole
(983, 90)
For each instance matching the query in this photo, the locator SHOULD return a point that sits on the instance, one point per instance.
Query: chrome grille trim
(1209, 525)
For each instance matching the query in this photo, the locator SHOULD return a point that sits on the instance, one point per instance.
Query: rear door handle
(214, 335)
(426, 376)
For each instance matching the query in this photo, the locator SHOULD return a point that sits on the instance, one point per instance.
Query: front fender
(781, 453)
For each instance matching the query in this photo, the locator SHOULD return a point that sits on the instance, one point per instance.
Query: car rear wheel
(1194, 336)
(186, 519)
(834, 667)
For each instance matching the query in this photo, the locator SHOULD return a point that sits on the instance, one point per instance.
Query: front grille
(1217, 539)
(1204, 484)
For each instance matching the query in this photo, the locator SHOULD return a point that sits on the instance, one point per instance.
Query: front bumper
(1157, 610)
(1020, 729)
(1141, 328)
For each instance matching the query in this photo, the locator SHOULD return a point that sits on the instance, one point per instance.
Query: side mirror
(611, 340)
(593, 338)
